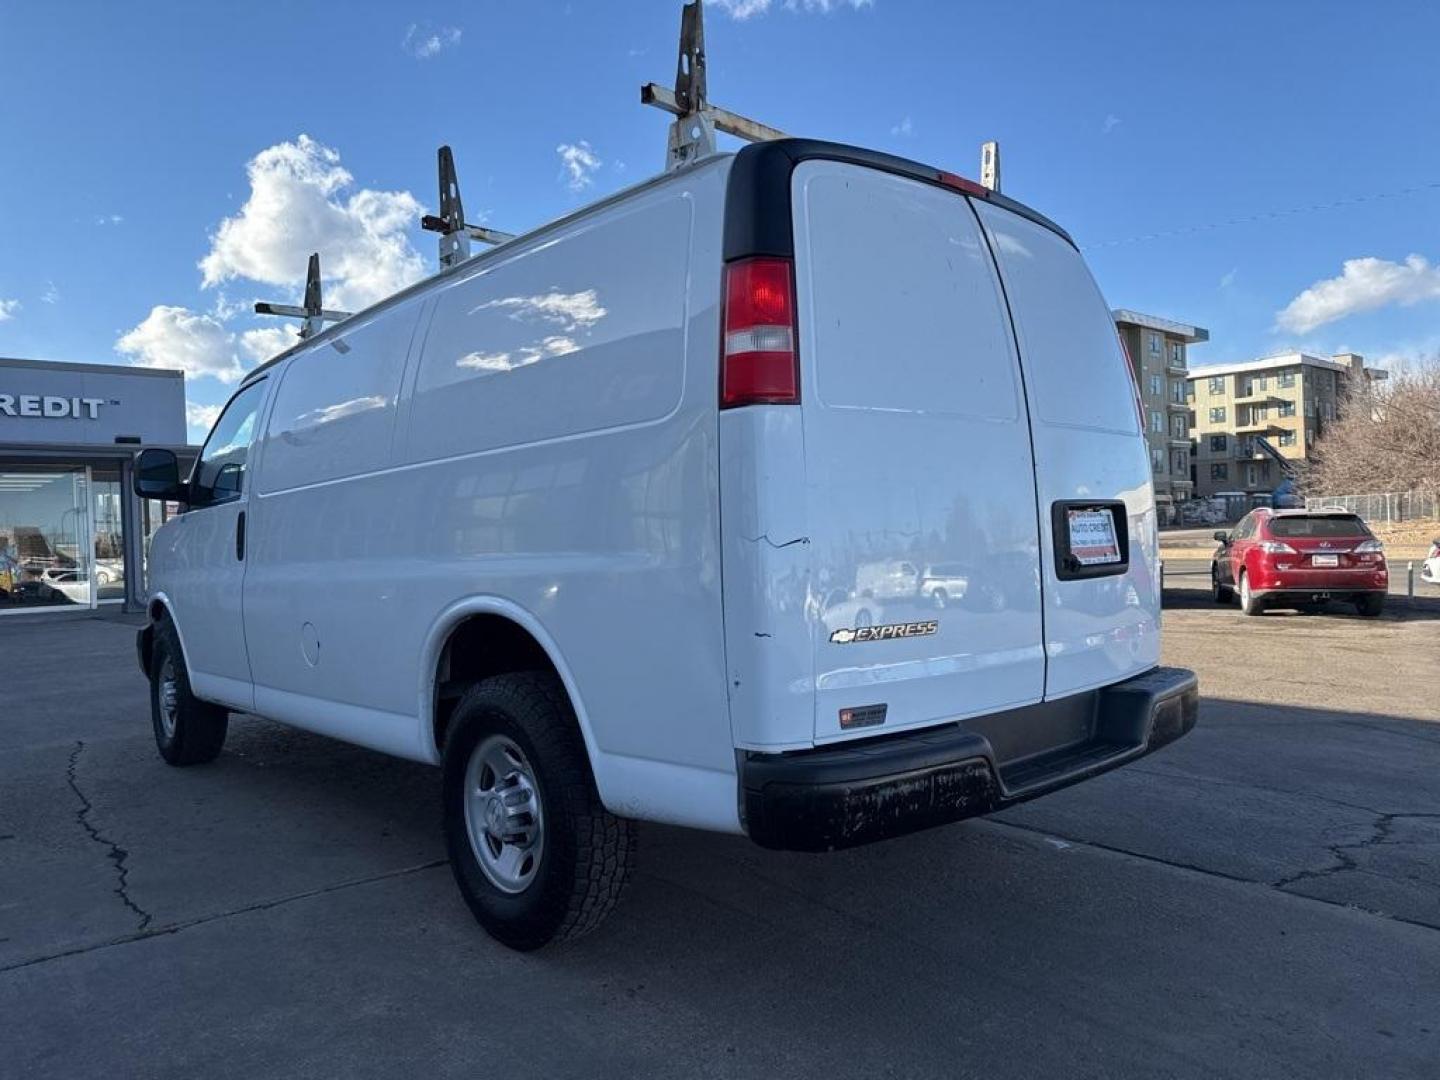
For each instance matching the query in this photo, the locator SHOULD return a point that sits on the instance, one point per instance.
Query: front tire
(1371, 604)
(535, 853)
(188, 731)
(1249, 602)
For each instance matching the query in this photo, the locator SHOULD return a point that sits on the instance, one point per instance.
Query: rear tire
(1371, 604)
(1249, 603)
(188, 731)
(1220, 593)
(535, 853)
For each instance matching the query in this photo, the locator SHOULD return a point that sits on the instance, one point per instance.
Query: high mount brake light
(959, 183)
(758, 360)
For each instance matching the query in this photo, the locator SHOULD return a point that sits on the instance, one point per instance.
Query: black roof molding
(757, 201)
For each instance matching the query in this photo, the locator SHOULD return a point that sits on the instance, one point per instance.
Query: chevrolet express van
(567, 521)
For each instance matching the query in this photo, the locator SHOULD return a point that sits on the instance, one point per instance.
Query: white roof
(1267, 363)
(1191, 334)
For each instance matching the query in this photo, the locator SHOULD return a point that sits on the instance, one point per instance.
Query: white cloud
(110, 219)
(1228, 278)
(423, 41)
(1111, 123)
(1363, 285)
(301, 201)
(264, 342)
(8, 308)
(51, 295)
(201, 417)
(175, 337)
(580, 162)
(499, 362)
(745, 9)
(570, 311)
(904, 128)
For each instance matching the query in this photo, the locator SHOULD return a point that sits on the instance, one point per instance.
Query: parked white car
(526, 522)
(1430, 568)
(69, 582)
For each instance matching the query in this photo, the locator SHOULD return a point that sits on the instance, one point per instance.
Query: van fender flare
(160, 597)
(485, 604)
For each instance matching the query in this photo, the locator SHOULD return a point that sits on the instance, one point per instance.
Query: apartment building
(1285, 400)
(1158, 355)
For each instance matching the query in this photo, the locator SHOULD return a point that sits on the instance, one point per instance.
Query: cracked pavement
(1260, 899)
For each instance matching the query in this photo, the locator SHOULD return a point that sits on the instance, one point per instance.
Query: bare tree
(1386, 437)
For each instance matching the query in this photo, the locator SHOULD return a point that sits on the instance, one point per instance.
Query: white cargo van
(567, 520)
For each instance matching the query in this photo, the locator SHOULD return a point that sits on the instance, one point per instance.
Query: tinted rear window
(1318, 526)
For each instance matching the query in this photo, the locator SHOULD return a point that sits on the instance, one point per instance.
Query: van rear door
(917, 457)
(1102, 618)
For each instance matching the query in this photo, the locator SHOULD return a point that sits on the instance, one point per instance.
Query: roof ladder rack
(313, 312)
(990, 165)
(692, 135)
(455, 235)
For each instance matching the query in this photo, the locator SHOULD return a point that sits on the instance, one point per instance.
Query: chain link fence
(1384, 506)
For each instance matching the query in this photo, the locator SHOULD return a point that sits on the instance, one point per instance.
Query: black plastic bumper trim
(856, 793)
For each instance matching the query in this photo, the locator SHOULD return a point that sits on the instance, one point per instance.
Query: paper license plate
(1325, 560)
(1093, 540)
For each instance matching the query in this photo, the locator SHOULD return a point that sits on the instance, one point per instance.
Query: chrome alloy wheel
(167, 693)
(503, 814)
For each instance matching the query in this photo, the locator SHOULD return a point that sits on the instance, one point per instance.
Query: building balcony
(1260, 397)
(1172, 368)
(1259, 427)
(1178, 405)
(1180, 442)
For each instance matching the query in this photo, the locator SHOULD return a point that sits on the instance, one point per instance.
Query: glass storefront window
(44, 529)
(107, 533)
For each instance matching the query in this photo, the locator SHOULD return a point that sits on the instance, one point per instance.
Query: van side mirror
(1222, 536)
(157, 476)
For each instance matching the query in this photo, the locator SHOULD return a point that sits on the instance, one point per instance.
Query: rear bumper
(1347, 580)
(1309, 593)
(836, 797)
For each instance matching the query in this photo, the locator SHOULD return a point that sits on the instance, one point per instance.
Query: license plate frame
(1325, 562)
(1090, 539)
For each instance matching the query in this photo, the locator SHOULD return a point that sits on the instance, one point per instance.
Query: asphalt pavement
(1261, 899)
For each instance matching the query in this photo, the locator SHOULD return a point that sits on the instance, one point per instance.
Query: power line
(1268, 215)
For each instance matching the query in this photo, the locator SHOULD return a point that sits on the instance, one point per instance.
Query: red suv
(1300, 559)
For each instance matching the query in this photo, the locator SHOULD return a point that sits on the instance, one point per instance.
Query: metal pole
(1410, 580)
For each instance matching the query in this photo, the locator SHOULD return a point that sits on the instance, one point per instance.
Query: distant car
(109, 571)
(943, 583)
(1300, 559)
(68, 582)
(1430, 568)
(887, 579)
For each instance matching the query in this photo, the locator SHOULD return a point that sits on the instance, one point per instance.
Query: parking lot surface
(1260, 899)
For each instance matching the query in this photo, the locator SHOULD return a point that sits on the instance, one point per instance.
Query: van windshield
(1318, 526)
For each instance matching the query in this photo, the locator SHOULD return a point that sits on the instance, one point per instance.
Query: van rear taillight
(758, 362)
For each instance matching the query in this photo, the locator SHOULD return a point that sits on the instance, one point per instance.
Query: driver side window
(219, 475)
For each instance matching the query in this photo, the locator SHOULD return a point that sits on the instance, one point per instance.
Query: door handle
(240, 536)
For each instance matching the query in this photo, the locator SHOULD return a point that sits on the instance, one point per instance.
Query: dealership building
(73, 534)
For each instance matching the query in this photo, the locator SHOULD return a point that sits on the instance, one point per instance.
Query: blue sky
(155, 182)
